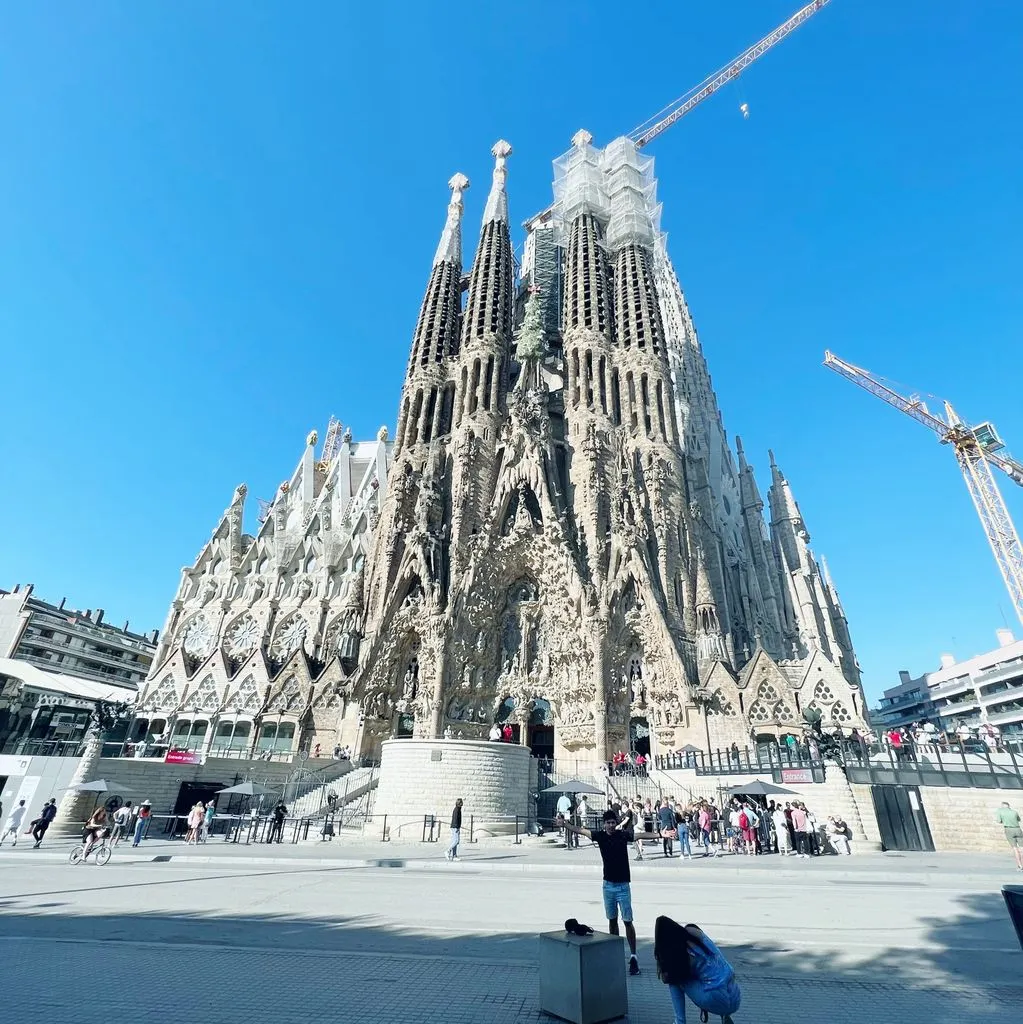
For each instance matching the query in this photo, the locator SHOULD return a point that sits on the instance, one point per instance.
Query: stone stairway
(348, 789)
(653, 786)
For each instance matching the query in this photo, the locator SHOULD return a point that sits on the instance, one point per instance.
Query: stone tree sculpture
(75, 807)
(830, 747)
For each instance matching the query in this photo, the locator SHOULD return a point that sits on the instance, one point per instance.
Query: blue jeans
(683, 842)
(139, 828)
(721, 1000)
(456, 835)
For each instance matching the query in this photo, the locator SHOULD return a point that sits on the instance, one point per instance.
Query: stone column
(439, 661)
(600, 696)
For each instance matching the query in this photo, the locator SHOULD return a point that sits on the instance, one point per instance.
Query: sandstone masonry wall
(160, 783)
(420, 777)
(964, 819)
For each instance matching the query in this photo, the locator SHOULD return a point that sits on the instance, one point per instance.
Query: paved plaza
(232, 934)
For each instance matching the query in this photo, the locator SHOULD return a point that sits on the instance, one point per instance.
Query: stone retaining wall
(160, 783)
(419, 777)
(964, 819)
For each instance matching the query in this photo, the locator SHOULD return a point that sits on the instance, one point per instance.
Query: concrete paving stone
(43, 980)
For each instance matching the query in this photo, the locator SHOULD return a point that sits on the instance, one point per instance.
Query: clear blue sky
(217, 220)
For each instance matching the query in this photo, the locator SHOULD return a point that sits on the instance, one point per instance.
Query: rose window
(290, 637)
(198, 639)
(242, 638)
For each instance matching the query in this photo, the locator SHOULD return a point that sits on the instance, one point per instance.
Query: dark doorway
(901, 818)
(639, 736)
(189, 795)
(541, 730)
(406, 727)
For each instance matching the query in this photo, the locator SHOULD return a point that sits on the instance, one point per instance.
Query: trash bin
(1013, 896)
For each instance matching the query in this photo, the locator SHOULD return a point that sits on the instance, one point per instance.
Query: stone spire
(488, 311)
(783, 504)
(497, 201)
(710, 643)
(450, 248)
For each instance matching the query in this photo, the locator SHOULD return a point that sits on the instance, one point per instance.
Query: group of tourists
(200, 820)
(744, 826)
(36, 828)
(629, 763)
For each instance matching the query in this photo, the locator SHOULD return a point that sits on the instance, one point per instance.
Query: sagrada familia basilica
(557, 538)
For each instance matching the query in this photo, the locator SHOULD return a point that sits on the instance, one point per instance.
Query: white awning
(58, 682)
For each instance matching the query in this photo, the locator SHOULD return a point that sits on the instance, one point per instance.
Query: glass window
(267, 735)
(240, 739)
(285, 736)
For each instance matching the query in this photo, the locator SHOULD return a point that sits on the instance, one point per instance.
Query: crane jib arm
(643, 135)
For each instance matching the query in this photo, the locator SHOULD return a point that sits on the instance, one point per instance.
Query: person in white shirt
(582, 812)
(495, 733)
(121, 818)
(781, 830)
(14, 820)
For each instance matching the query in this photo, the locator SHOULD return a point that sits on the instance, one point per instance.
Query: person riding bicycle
(95, 829)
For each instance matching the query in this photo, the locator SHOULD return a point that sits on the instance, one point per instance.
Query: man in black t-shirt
(613, 843)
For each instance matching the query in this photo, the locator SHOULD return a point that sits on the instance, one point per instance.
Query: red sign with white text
(796, 775)
(182, 757)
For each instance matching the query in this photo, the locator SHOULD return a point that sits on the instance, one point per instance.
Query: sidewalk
(502, 856)
(424, 989)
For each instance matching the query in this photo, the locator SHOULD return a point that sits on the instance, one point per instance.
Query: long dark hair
(672, 942)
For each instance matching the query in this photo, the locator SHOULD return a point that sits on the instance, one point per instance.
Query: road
(456, 945)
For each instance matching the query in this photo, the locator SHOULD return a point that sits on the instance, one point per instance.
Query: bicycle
(101, 849)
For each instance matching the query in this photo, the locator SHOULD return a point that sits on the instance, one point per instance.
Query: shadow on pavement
(938, 981)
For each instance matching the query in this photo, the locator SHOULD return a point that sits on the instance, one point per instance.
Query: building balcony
(1000, 673)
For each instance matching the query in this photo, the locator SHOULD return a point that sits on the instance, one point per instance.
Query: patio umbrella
(758, 788)
(574, 786)
(100, 786)
(247, 789)
(688, 749)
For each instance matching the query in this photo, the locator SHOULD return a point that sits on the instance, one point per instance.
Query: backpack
(743, 820)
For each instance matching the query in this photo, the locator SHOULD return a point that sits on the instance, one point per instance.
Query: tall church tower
(505, 583)
(565, 544)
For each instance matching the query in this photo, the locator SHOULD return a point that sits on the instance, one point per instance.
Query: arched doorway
(541, 730)
(505, 717)
(639, 736)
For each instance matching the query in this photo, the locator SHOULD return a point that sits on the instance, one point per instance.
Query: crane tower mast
(977, 449)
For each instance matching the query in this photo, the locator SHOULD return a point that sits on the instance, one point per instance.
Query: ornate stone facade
(264, 630)
(566, 540)
(565, 543)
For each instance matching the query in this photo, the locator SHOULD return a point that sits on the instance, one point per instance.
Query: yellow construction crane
(977, 449)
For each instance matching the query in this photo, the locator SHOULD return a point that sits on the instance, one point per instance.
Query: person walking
(280, 812)
(142, 822)
(456, 831)
(121, 818)
(207, 822)
(666, 826)
(42, 823)
(705, 821)
(13, 826)
(1008, 818)
(613, 843)
(195, 820)
(564, 809)
(684, 825)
